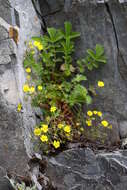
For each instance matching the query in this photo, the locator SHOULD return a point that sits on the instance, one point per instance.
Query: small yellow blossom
(28, 77)
(67, 128)
(36, 43)
(40, 47)
(37, 131)
(89, 113)
(60, 126)
(26, 88)
(100, 84)
(56, 144)
(89, 122)
(104, 123)
(28, 70)
(19, 107)
(31, 89)
(39, 87)
(44, 128)
(99, 113)
(44, 138)
(53, 109)
(95, 112)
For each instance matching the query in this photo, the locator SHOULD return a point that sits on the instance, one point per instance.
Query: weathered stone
(11, 139)
(5, 184)
(123, 129)
(4, 33)
(5, 59)
(81, 169)
(15, 128)
(7, 47)
(2, 172)
(5, 11)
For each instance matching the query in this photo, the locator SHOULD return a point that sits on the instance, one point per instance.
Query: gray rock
(4, 33)
(5, 184)
(15, 128)
(123, 129)
(81, 169)
(5, 59)
(2, 172)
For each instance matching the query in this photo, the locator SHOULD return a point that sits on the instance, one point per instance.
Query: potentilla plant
(55, 83)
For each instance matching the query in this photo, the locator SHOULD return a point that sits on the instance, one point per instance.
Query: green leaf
(99, 50)
(91, 53)
(79, 78)
(38, 39)
(74, 35)
(68, 28)
(88, 99)
(78, 95)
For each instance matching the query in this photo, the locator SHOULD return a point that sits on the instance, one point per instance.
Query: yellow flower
(39, 87)
(99, 113)
(53, 109)
(67, 128)
(104, 123)
(100, 84)
(44, 138)
(44, 128)
(40, 47)
(31, 89)
(19, 107)
(56, 144)
(89, 122)
(36, 43)
(28, 70)
(89, 113)
(37, 131)
(28, 77)
(60, 125)
(95, 112)
(26, 88)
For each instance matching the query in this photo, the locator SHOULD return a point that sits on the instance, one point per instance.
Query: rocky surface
(81, 169)
(14, 126)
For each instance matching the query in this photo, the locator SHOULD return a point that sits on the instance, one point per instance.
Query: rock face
(81, 169)
(14, 126)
